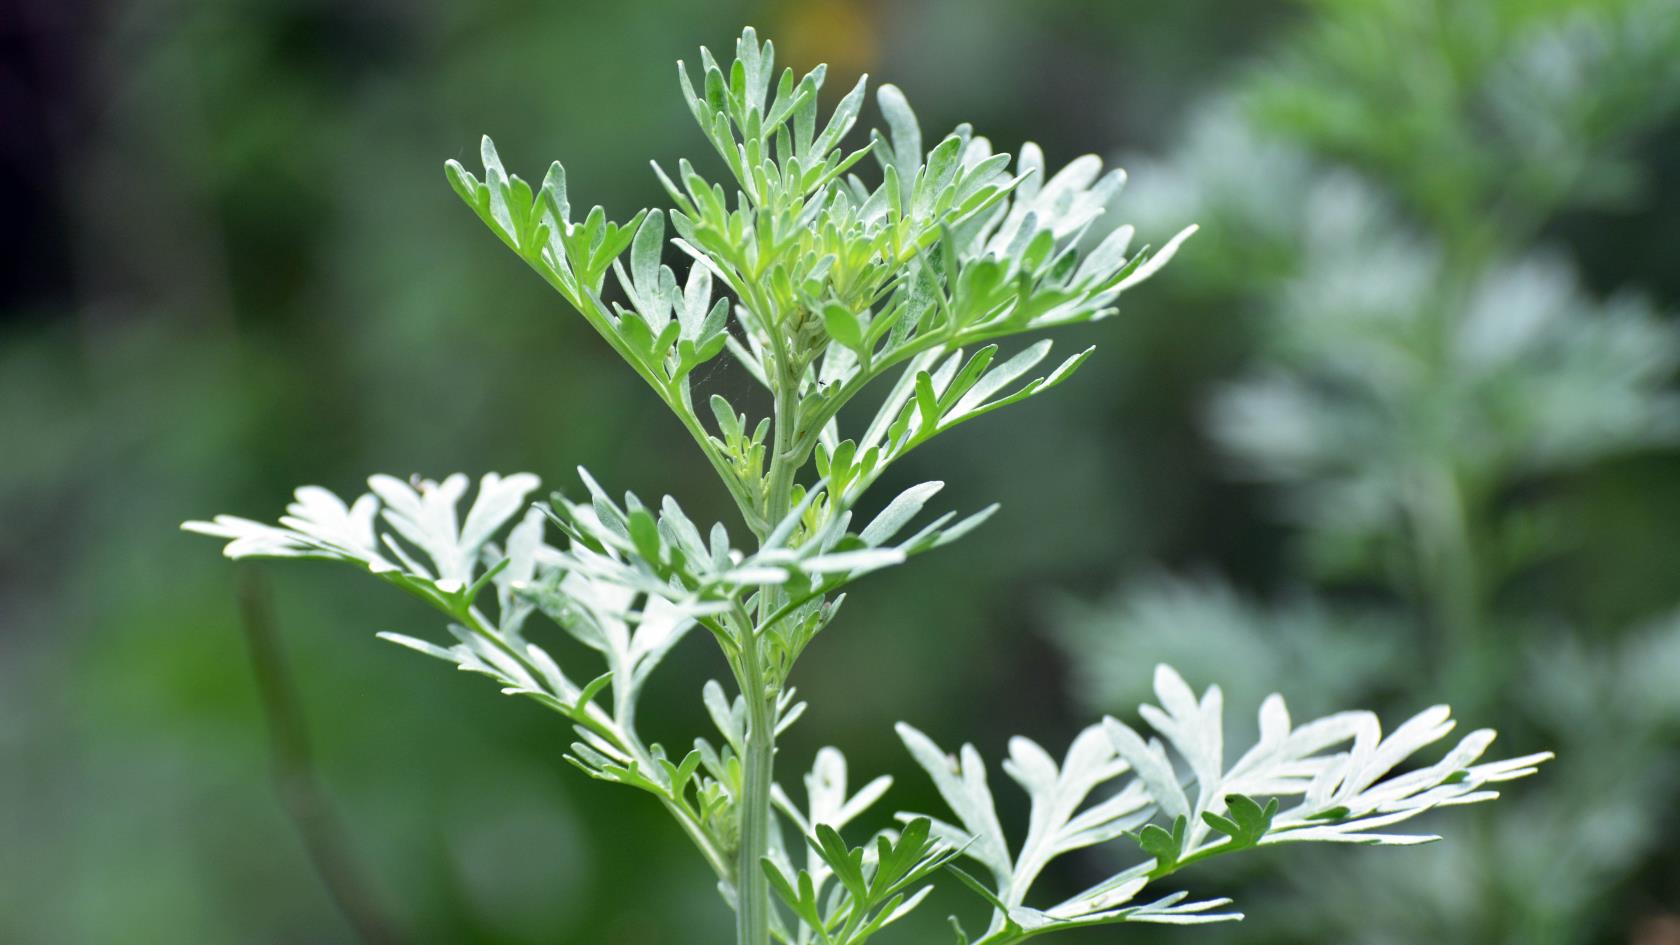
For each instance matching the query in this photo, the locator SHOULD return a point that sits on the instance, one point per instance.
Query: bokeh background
(1398, 427)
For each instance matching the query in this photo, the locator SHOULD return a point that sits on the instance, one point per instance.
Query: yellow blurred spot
(838, 32)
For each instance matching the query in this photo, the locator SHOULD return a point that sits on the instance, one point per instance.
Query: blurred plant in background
(1430, 378)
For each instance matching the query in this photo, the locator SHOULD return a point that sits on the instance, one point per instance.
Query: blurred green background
(1398, 427)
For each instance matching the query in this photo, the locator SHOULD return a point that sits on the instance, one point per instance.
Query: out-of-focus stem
(323, 834)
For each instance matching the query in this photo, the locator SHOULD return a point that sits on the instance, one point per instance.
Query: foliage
(1346, 796)
(1524, 108)
(833, 284)
(1426, 378)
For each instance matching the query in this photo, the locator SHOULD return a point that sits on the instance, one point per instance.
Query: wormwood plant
(833, 284)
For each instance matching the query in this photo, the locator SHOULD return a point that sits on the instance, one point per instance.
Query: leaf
(962, 784)
(1165, 846)
(906, 135)
(898, 513)
(927, 404)
(1298, 762)
(1248, 821)
(843, 325)
(1154, 769)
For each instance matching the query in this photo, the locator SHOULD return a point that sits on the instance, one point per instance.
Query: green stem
(1443, 505)
(1449, 564)
(753, 889)
(1006, 936)
(753, 913)
(784, 458)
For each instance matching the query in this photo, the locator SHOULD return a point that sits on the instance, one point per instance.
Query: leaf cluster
(1184, 805)
(833, 282)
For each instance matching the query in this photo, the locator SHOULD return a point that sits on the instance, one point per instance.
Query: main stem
(753, 911)
(1449, 573)
(1444, 509)
(753, 915)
